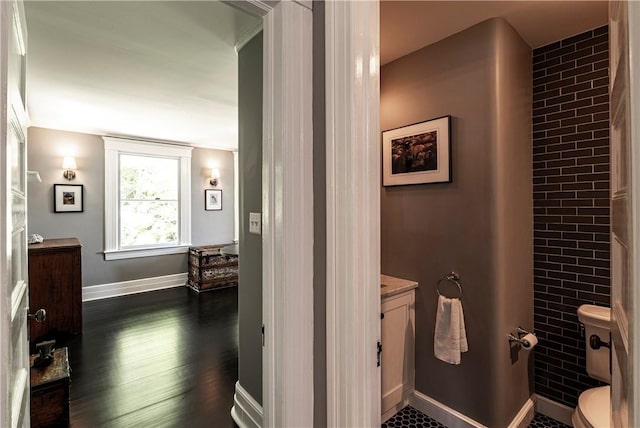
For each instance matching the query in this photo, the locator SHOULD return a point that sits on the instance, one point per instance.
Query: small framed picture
(213, 199)
(68, 198)
(417, 154)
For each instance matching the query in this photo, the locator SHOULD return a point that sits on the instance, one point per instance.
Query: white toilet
(594, 405)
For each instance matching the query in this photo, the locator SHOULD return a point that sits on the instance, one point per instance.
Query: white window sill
(144, 252)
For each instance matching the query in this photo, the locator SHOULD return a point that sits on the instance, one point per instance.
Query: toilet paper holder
(520, 338)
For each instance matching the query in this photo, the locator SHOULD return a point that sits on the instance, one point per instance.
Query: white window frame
(113, 147)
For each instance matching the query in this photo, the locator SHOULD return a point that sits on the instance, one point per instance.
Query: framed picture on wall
(213, 199)
(68, 198)
(417, 154)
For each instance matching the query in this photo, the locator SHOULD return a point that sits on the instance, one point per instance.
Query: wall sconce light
(215, 175)
(69, 164)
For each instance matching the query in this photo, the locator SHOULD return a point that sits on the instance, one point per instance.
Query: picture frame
(213, 200)
(68, 198)
(418, 153)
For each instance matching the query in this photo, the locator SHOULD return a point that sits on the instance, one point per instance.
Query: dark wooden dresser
(50, 392)
(55, 284)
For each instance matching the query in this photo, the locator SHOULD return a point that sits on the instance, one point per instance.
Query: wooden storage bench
(50, 392)
(210, 269)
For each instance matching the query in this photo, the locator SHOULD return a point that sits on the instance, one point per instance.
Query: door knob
(39, 316)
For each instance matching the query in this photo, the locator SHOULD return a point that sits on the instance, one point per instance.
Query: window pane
(148, 178)
(148, 223)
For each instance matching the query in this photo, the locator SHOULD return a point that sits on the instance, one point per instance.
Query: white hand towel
(450, 338)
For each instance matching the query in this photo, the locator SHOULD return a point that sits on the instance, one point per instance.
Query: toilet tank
(596, 320)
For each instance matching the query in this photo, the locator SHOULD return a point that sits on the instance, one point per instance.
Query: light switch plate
(255, 223)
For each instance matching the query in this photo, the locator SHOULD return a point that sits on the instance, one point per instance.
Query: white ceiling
(162, 70)
(167, 70)
(406, 26)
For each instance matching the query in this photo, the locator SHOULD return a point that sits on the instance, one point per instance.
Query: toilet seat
(594, 408)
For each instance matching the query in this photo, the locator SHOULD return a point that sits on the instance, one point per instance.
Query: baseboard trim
(441, 412)
(115, 289)
(525, 415)
(246, 412)
(553, 409)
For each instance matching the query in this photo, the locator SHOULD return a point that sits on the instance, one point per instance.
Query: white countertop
(390, 286)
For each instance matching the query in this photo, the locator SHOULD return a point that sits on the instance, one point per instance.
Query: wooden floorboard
(166, 358)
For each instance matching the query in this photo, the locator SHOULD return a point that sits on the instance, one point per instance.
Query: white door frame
(287, 212)
(634, 89)
(287, 217)
(353, 212)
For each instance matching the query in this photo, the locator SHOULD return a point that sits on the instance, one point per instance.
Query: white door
(625, 225)
(14, 346)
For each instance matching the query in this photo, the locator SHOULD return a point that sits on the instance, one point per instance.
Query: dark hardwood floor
(166, 358)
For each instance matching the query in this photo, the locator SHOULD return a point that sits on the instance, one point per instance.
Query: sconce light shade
(215, 175)
(69, 164)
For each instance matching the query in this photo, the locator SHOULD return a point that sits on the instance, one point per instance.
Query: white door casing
(287, 212)
(353, 212)
(625, 210)
(14, 346)
(287, 204)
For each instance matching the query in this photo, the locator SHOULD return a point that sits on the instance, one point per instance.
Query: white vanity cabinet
(398, 344)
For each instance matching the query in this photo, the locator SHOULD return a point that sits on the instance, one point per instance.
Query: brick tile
(601, 30)
(547, 77)
(594, 126)
(577, 104)
(577, 137)
(547, 94)
(571, 204)
(542, 110)
(593, 58)
(561, 99)
(592, 76)
(575, 39)
(561, 67)
(601, 65)
(575, 71)
(576, 88)
(578, 120)
(580, 53)
(559, 83)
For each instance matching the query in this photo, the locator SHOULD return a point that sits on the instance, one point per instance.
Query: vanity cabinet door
(398, 349)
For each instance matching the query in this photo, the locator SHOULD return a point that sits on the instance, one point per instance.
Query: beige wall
(480, 224)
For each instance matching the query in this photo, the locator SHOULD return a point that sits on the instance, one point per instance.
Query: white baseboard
(105, 291)
(246, 412)
(525, 415)
(554, 410)
(442, 413)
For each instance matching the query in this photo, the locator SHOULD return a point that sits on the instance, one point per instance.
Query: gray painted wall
(46, 148)
(250, 261)
(480, 225)
(319, 222)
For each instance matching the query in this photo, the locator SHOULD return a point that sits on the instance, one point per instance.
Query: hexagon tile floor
(411, 418)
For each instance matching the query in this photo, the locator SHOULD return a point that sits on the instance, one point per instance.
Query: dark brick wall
(571, 204)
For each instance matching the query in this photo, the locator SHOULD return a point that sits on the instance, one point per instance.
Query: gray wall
(250, 167)
(46, 148)
(320, 222)
(480, 224)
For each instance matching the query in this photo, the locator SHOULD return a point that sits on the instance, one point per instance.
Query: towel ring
(453, 278)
